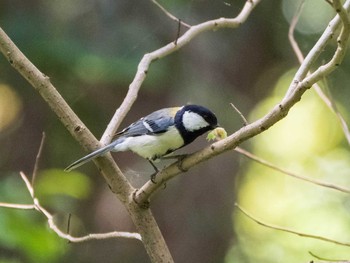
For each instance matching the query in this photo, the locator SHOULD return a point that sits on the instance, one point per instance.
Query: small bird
(159, 133)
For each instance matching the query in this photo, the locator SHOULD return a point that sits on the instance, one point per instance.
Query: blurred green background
(90, 50)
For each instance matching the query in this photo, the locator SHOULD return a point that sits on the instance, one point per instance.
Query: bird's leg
(179, 158)
(153, 176)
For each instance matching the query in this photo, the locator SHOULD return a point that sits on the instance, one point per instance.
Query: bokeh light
(10, 106)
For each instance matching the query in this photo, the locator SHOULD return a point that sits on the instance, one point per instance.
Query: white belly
(150, 146)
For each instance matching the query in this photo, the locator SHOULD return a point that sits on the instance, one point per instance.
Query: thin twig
(36, 165)
(291, 31)
(284, 229)
(170, 15)
(178, 32)
(327, 259)
(68, 223)
(300, 177)
(245, 122)
(36, 205)
(329, 2)
(330, 103)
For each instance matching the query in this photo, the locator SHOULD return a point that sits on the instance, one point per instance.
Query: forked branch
(301, 83)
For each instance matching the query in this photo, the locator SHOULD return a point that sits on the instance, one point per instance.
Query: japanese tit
(159, 133)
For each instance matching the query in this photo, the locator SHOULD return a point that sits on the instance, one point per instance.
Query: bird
(158, 134)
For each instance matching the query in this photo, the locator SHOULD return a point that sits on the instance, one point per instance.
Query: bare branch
(245, 122)
(166, 50)
(70, 120)
(284, 229)
(143, 218)
(318, 48)
(55, 228)
(300, 177)
(36, 165)
(333, 107)
(327, 259)
(297, 88)
(170, 15)
(178, 32)
(17, 206)
(329, 2)
(291, 38)
(330, 104)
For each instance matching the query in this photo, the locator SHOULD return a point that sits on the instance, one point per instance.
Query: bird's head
(193, 121)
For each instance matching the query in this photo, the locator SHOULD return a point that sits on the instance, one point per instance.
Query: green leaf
(58, 182)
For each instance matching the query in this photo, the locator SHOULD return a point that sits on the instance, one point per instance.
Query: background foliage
(90, 50)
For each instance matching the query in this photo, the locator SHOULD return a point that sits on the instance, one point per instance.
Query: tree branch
(297, 88)
(36, 205)
(36, 165)
(329, 103)
(168, 49)
(284, 229)
(318, 48)
(143, 219)
(328, 259)
(303, 178)
(170, 15)
(70, 120)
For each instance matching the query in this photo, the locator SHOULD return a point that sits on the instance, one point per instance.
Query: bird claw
(179, 161)
(153, 177)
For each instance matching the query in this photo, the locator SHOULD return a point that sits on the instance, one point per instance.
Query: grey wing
(156, 122)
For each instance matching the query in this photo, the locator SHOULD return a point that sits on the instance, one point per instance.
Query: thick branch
(143, 218)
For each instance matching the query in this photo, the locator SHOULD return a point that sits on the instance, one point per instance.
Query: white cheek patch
(193, 121)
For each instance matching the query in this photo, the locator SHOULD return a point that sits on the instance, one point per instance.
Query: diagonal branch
(319, 47)
(284, 229)
(294, 94)
(328, 259)
(329, 103)
(300, 177)
(36, 165)
(36, 205)
(70, 120)
(168, 49)
(170, 15)
(143, 218)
